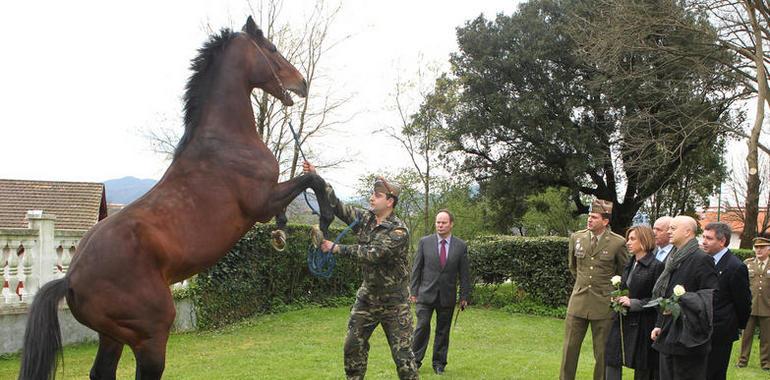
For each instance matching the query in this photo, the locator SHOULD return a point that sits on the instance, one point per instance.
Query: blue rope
(299, 147)
(321, 264)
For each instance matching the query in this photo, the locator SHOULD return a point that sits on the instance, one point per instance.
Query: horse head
(271, 72)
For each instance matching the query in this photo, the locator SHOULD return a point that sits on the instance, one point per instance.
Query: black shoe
(438, 370)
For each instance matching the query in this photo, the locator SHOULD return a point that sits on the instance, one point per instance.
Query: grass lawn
(307, 344)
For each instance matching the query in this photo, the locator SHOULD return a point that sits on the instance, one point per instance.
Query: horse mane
(197, 87)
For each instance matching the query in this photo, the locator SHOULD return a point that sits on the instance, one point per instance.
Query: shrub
(496, 295)
(537, 265)
(742, 254)
(254, 278)
(511, 298)
(534, 308)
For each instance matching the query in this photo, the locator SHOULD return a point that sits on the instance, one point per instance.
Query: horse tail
(42, 337)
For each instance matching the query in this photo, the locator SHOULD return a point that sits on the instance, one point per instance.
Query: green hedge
(253, 278)
(510, 298)
(742, 254)
(537, 265)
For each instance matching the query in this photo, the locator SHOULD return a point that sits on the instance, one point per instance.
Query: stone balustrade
(30, 257)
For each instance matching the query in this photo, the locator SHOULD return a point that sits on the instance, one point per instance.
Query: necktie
(594, 241)
(442, 255)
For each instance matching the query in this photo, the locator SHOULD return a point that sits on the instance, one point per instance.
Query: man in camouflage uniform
(596, 254)
(383, 241)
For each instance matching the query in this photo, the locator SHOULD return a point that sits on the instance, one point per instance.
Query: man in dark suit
(732, 303)
(441, 258)
(684, 344)
(662, 240)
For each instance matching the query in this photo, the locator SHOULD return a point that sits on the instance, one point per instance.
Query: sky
(81, 82)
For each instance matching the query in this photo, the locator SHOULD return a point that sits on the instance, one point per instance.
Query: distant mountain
(127, 189)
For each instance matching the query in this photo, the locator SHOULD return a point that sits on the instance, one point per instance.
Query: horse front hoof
(316, 236)
(278, 240)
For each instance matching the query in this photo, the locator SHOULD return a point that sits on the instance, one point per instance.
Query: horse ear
(251, 28)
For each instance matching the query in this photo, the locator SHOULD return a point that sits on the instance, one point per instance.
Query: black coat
(694, 273)
(732, 304)
(638, 323)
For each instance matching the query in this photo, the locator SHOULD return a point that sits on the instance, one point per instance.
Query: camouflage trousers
(396, 321)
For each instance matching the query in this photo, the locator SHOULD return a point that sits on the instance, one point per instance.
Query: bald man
(689, 266)
(662, 240)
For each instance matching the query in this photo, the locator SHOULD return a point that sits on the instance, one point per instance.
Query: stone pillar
(43, 257)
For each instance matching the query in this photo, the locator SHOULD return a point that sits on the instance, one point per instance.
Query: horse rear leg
(107, 358)
(152, 336)
(150, 356)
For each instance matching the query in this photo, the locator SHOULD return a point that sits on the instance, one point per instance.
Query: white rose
(615, 280)
(679, 290)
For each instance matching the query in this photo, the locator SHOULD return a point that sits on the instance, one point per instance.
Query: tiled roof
(731, 216)
(76, 205)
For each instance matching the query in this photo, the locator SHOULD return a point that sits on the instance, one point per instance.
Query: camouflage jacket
(381, 250)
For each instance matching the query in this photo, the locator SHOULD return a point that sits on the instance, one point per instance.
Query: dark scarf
(675, 259)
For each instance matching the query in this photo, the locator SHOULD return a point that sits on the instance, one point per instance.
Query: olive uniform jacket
(593, 270)
(760, 287)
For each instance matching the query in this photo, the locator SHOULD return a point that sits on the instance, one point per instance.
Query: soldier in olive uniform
(759, 277)
(381, 251)
(596, 254)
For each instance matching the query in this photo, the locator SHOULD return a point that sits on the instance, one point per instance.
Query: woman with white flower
(633, 322)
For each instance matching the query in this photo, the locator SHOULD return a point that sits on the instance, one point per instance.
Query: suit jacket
(760, 287)
(695, 273)
(593, 270)
(429, 280)
(732, 304)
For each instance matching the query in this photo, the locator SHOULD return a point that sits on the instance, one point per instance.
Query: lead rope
(320, 264)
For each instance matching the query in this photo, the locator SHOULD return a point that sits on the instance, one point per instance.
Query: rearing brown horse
(222, 180)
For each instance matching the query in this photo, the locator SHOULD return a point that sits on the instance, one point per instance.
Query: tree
(752, 159)
(741, 35)
(530, 107)
(458, 197)
(455, 195)
(551, 213)
(503, 202)
(736, 197)
(688, 191)
(420, 130)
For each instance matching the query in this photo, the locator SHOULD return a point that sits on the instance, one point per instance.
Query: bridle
(269, 64)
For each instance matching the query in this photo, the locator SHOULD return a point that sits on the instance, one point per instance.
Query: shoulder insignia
(578, 234)
(399, 233)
